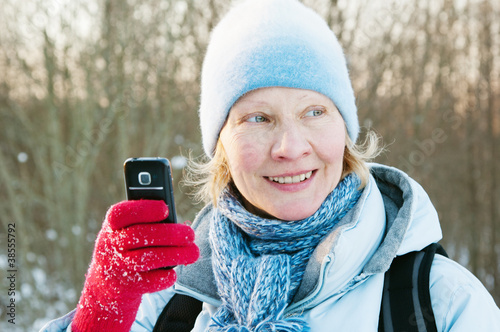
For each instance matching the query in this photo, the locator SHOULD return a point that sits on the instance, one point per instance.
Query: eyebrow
(249, 103)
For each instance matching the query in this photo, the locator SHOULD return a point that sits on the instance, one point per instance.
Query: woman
(300, 229)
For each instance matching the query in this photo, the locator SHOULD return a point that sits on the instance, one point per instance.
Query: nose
(290, 144)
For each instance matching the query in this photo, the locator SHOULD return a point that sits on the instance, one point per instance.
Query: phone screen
(150, 178)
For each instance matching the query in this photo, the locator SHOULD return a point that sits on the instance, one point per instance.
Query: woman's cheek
(331, 144)
(330, 150)
(247, 152)
(337, 151)
(251, 157)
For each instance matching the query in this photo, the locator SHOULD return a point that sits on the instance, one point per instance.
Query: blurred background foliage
(86, 84)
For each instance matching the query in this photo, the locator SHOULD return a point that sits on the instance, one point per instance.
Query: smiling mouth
(291, 179)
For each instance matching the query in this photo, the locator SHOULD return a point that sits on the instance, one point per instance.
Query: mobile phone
(150, 178)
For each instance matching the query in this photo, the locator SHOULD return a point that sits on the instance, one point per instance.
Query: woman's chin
(291, 210)
(293, 213)
(286, 214)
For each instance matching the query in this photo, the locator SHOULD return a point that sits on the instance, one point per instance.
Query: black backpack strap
(406, 301)
(179, 314)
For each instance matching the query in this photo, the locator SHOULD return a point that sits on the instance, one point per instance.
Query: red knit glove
(130, 248)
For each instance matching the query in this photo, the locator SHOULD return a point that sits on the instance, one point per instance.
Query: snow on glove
(130, 249)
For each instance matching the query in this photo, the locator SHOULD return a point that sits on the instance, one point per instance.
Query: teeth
(291, 179)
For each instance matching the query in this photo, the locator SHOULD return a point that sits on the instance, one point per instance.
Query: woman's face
(285, 150)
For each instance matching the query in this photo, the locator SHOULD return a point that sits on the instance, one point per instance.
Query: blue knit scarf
(259, 263)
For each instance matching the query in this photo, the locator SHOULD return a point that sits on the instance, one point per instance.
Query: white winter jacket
(342, 286)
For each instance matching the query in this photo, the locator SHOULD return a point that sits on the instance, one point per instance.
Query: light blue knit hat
(266, 43)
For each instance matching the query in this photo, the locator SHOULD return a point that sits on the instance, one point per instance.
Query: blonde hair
(209, 177)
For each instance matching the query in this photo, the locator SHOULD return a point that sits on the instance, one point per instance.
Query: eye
(315, 112)
(256, 119)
